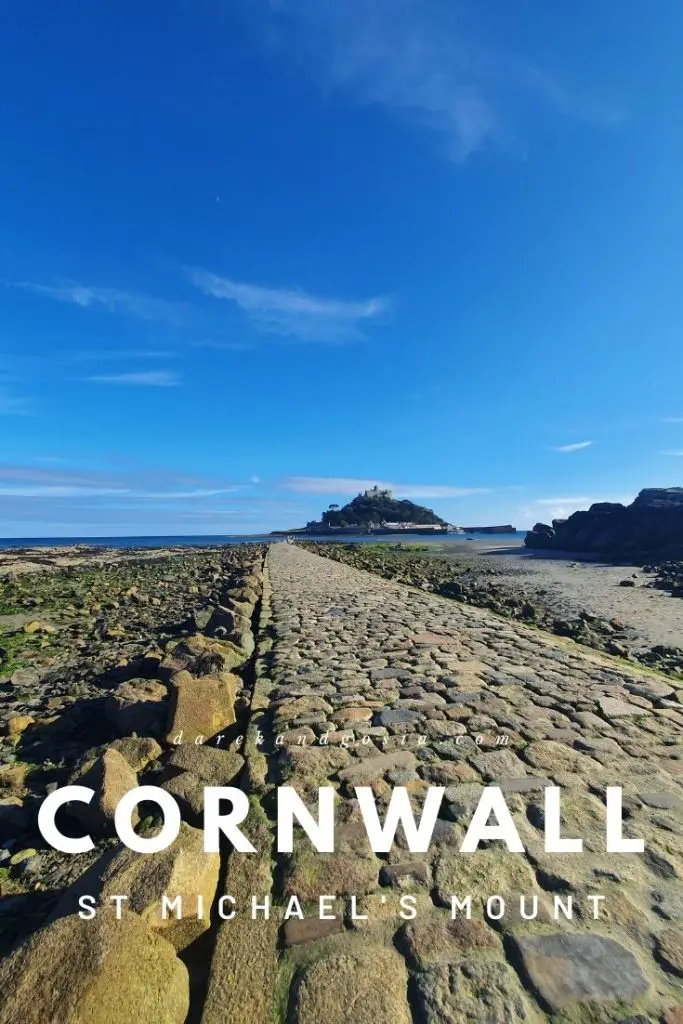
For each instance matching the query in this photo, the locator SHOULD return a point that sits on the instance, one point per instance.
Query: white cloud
(572, 447)
(425, 61)
(151, 378)
(345, 485)
(675, 453)
(291, 312)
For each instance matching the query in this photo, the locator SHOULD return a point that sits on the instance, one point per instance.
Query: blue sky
(256, 255)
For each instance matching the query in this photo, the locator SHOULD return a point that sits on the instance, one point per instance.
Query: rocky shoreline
(523, 590)
(96, 661)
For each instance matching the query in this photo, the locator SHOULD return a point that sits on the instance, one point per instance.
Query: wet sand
(569, 585)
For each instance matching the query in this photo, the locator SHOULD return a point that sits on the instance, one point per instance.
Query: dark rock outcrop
(651, 527)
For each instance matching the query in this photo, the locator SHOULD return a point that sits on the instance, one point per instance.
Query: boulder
(17, 724)
(13, 778)
(137, 707)
(247, 594)
(201, 707)
(650, 527)
(243, 638)
(225, 621)
(111, 777)
(138, 751)
(253, 582)
(201, 656)
(200, 618)
(188, 792)
(100, 971)
(182, 870)
(541, 537)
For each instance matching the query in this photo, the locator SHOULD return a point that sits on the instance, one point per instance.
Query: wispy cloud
(577, 447)
(425, 61)
(49, 491)
(143, 307)
(288, 312)
(185, 495)
(150, 379)
(33, 475)
(90, 502)
(345, 485)
(25, 481)
(60, 491)
(676, 453)
(291, 312)
(672, 419)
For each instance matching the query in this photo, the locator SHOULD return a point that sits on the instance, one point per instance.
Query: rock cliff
(651, 527)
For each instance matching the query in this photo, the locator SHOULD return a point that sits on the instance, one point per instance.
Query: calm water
(212, 541)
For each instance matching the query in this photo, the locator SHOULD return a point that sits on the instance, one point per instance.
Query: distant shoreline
(211, 540)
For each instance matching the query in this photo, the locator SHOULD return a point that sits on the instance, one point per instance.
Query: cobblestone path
(367, 682)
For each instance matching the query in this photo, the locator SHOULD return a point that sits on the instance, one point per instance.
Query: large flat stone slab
(565, 969)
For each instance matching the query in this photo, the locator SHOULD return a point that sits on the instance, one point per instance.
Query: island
(375, 511)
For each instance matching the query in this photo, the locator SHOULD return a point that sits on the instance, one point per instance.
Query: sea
(206, 540)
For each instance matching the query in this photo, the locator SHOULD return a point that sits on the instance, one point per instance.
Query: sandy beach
(569, 586)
